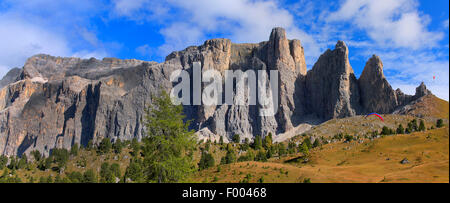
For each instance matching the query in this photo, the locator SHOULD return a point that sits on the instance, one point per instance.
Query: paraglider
(377, 115)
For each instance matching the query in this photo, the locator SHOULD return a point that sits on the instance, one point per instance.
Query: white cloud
(144, 50)
(445, 24)
(393, 23)
(20, 40)
(240, 20)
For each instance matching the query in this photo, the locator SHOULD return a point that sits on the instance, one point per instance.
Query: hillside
(377, 161)
(365, 159)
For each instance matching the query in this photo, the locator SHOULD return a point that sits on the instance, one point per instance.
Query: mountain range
(55, 102)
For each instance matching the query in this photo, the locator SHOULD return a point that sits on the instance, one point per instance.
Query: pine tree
(135, 147)
(421, 126)
(400, 129)
(267, 142)
(257, 143)
(206, 161)
(221, 140)
(105, 146)
(230, 157)
(304, 149)
(414, 125)
(74, 149)
(168, 146)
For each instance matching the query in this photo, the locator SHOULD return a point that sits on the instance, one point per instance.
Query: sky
(410, 36)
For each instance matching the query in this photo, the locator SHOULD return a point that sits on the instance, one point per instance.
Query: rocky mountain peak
(331, 85)
(375, 88)
(341, 46)
(422, 90)
(279, 50)
(10, 76)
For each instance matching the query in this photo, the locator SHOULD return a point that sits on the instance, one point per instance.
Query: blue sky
(410, 36)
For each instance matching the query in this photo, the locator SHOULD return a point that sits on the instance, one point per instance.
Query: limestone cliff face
(278, 53)
(58, 101)
(331, 86)
(375, 88)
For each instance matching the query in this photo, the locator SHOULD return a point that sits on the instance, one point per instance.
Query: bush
(3, 161)
(439, 123)
(75, 177)
(236, 138)
(386, 131)
(245, 146)
(89, 176)
(307, 141)
(292, 147)
(60, 157)
(304, 149)
(281, 149)
(134, 171)
(230, 157)
(106, 174)
(250, 156)
(117, 146)
(135, 147)
(261, 156)
(316, 143)
(347, 138)
(36, 155)
(338, 136)
(74, 149)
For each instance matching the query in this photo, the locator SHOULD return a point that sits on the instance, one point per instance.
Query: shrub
(230, 157)
(439, 123)
(257, 142)
(74, 149)
(89, 176)
(76, 177)
(347, 138)
(281, 148)
(261, 156)
(316, 143)
(3, 161)
(36, 155)
(236, 138)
